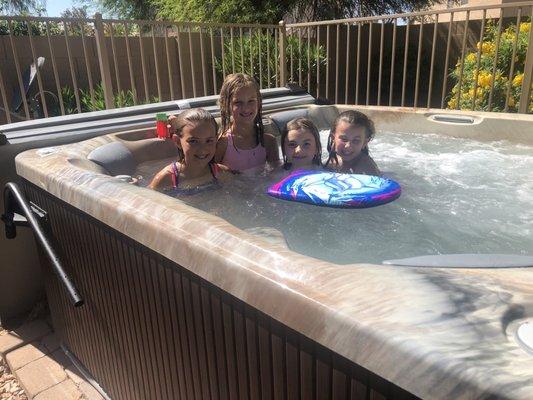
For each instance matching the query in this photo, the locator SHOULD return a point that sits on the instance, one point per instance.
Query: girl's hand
(172, 124)
(226, 169)
(175, 138)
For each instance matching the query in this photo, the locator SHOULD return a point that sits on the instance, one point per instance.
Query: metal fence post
(282, 58)
(528, 74)
(103, 60)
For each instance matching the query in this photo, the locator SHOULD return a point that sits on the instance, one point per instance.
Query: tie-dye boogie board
(333, 189)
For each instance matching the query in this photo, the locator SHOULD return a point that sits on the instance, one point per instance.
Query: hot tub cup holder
(520, 331)
(524, 335)
(134, 180)
(455, 119)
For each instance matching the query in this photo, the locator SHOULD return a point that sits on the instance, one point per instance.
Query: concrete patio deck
(42, 368)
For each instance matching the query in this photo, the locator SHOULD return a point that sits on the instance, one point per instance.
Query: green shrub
(38, 28)
(487, 50)
(20, 28)
(97, 102)
(69, 101)
(258, 47)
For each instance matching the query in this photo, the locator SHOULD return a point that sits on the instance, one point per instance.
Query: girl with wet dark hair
(348, 144)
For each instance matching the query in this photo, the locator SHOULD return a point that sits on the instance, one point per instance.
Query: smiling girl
(196, 138)
(300, 144)
(243, 144)
(348, 144)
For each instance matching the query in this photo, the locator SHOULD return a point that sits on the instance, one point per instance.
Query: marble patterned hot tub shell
(181, 304)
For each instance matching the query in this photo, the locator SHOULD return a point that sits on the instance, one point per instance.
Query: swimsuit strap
(175, 167)
(175, 174)
(232, 140)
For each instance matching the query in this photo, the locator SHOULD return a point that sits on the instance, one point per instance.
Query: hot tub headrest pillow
(115, 157)
(281, 118)
(322, 117)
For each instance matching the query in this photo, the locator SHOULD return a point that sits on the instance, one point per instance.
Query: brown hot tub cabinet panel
(151, 329)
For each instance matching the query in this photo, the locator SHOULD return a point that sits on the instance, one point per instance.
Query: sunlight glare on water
(458, 196)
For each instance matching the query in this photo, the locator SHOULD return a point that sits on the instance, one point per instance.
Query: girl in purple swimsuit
(242, 144)
(196, 138)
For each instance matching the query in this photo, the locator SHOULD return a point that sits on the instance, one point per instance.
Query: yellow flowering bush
(471, 57)
(486, 48)
(517, 80)
(477, 79)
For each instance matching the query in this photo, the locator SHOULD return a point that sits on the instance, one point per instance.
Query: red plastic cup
(161, 126)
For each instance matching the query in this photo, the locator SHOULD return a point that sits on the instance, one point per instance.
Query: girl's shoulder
(224, 135)
(218, 168)
(163, 177)
(222, 145)
(366, 165)
(221, 172)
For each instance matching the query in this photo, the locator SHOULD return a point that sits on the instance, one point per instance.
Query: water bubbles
(459, 196)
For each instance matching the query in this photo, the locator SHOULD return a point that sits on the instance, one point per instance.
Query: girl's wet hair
(305, 125)
(192, 116)
(232, 83)
(354, 118)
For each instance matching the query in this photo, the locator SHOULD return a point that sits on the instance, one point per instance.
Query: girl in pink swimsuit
(243, 144)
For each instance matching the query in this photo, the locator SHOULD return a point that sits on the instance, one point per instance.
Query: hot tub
(182, 304)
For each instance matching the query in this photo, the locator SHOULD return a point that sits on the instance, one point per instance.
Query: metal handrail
(13, 197)
(414, 14)
(190, 23)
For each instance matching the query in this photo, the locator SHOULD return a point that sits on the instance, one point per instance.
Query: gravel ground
(9, 386)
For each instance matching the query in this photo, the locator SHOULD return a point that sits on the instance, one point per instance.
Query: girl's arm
(226, 170)
(161, 179)
(271, 147)
(222, 145)
(224, 173)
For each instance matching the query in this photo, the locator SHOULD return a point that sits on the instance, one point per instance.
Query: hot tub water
(458, 196)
